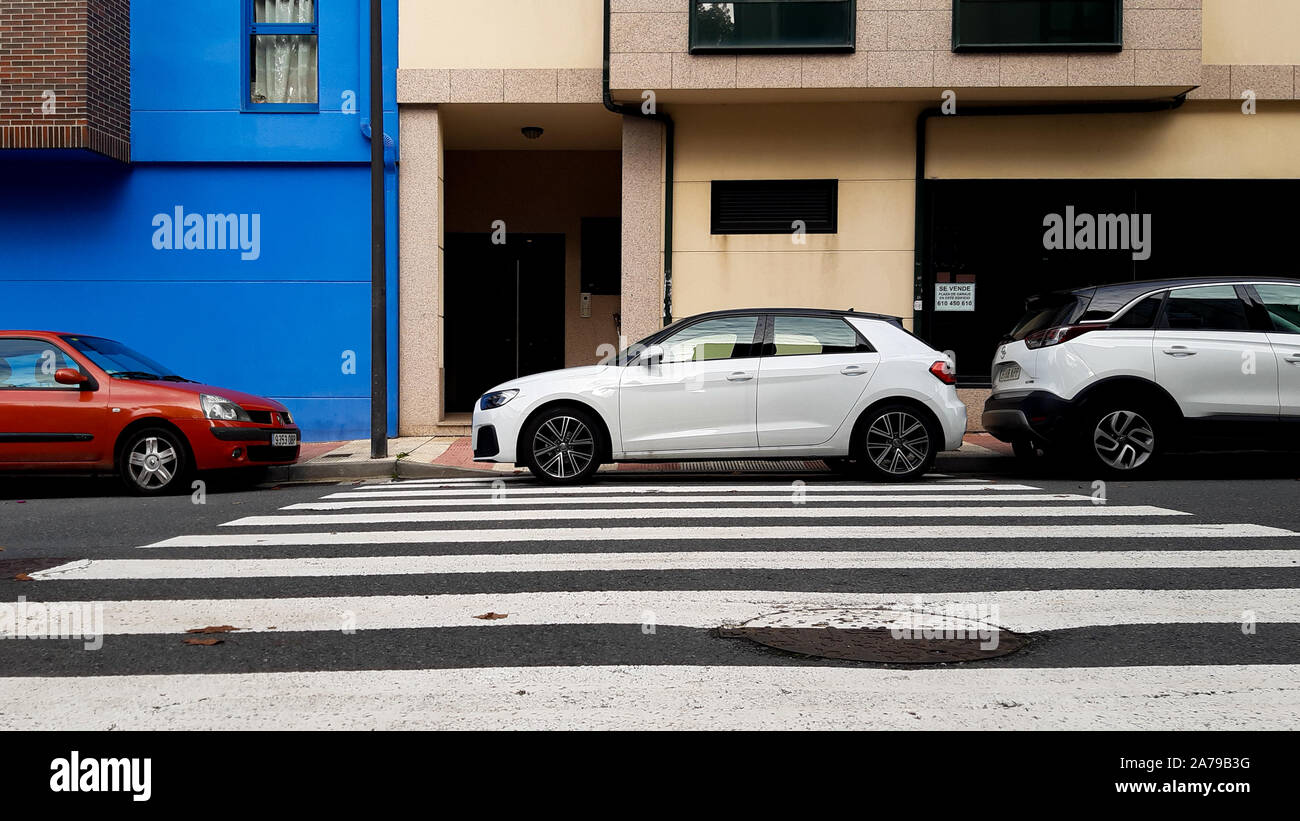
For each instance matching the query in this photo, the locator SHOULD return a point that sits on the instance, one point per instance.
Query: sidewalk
(434, 457)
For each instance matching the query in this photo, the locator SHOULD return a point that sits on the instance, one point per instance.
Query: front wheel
(561, 446)
(897, 445)
(153, 462)
(1121, 439)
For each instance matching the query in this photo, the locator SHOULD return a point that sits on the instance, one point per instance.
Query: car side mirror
(71, 376)
(651, 355)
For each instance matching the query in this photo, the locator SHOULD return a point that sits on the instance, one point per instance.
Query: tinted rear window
(1049, 311)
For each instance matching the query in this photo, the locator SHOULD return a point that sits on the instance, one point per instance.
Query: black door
(504, 312)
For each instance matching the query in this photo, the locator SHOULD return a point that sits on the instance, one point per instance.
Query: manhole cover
(884, 635)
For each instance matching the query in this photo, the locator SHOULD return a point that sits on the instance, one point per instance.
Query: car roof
(793, 312)
(1173, 282)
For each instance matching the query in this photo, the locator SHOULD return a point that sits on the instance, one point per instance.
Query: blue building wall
(87, 245)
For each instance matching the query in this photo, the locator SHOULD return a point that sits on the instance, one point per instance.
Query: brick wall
(65, 78)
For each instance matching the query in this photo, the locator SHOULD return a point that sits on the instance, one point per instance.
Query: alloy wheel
(898, 442)
(563, 447)
(152, 463)
(1124, 440)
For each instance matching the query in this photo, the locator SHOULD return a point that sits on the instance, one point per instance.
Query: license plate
(284, 440)
(1009, 373)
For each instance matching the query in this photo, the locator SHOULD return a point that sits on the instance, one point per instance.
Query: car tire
(891, 446)
(562, 446)
(153, 462)
(1121, 439)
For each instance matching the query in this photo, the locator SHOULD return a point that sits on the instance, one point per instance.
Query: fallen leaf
(225, 628)
(23, 577)
(491, 615)
(205, 642)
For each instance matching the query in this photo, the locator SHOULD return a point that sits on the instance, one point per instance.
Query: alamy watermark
(56, 620)
(179, 231)
(1101, 232)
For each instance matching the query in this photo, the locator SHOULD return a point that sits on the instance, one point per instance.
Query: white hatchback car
(851, 388)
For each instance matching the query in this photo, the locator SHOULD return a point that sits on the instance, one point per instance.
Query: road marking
(85, 570)
(609, 481)
(656, 499)
(584, 534)
(809, 490)
(789, 511)
(1017, 610)
(667, 697)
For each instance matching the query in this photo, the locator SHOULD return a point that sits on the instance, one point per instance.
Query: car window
(723, 338)
(1283, 304)
(1205, 308)
(30, 364)
(803, 335)
(1048, 311)
(1141, 316)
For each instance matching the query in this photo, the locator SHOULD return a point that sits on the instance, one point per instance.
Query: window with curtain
(283, 53)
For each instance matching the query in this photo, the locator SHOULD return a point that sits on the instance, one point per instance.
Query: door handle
(853, 370)
(740, 376)
(1294, 359)
(1179, 350)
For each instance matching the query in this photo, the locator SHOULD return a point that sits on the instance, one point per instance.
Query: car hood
(244, 400)
(578, 373)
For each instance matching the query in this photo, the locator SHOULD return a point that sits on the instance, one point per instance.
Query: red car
(82, 403)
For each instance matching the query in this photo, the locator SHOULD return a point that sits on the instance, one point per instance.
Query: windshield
(1048, 311)
(631, 352)
(118, 360)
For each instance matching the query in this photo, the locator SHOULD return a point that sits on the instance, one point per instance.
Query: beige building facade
(545, 222)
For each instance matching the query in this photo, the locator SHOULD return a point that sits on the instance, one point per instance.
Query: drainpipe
(922, 203)
(633, 110)
(378, 239)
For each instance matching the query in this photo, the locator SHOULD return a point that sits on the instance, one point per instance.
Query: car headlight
(496, 399)
(219, 407)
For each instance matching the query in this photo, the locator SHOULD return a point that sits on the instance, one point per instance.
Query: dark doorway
(504, 312)
(991, 233)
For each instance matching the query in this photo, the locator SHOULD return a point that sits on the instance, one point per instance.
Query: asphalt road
(1176, 603)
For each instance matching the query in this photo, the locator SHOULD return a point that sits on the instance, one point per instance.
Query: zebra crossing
(423, 603)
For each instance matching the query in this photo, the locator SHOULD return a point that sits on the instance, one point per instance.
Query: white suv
(1121, 374)
(851, 388)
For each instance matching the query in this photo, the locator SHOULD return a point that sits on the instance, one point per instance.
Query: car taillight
(944, 372)
(1055, 336)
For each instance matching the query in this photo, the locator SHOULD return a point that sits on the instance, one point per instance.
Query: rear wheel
(153, 462)
(561, 446)
(1122, 438)
(898, 445)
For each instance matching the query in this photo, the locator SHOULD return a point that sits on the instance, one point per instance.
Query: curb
(371, 469)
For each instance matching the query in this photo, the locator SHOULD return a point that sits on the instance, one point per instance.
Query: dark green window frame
(1115, 42)
(845, 46)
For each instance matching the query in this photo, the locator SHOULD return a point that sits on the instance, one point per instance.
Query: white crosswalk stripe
(461, 557)
(660, 499)
(755, 512)
(714, 560)
(402, 489)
